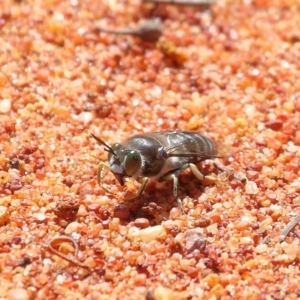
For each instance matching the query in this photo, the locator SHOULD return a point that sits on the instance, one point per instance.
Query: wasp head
(123, 162)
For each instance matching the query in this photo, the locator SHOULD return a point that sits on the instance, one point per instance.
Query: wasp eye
(132, 163)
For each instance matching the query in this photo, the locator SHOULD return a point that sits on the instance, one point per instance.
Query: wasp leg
(143, 181)
(102, 166)
(236, 175)
(173, 177)
(199, 175)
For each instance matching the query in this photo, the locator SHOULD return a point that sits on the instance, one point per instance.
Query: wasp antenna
(100, 141)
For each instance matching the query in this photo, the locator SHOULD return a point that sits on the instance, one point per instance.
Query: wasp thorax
(132, 163)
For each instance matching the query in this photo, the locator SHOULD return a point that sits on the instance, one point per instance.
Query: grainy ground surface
(234, 73)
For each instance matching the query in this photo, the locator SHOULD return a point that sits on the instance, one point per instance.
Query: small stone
(241, 225)
(217, 291)
(8, 199)
(140, 279)
(261, 248)
(241, 122)
(194, 239)
(211, 280)
(141, 223)
(5, 177)
(16, 240)
(122, 212)
(163, 293)
(66, 248)
(174, 213)
(250, 110)
(82, 212)
(15, 185)
(151, 233)
(246, 240)
(5, 106)
(251, 188)
(193, 272)
(212, 229)
(185, 264)
(290, 250)
(171, 225)
(39, 216)
(265, 203)
(86, 117)
(293, 148)
(4, 215)
(114, 224)
(18, 294)
(72, 227)
(288, 106)
(57, 189)
(265, 224)
(67, 208)
(274, 124)
(133, 233)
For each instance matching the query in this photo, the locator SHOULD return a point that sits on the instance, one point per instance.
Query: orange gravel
(232, 72)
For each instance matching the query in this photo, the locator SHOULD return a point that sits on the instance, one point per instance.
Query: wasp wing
(190, 148)
(189, 144)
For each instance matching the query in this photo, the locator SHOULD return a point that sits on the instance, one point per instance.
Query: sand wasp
(159, 156)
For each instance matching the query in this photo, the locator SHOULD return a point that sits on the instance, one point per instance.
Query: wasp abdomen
(190, 144)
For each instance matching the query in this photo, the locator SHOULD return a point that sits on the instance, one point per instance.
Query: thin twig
(227, 170)
(56, 241)
(149, 31)
(288, 228)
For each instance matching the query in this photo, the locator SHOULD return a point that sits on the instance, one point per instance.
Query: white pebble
(133, 234)
(5, 106)
(292, 148)
(250, 110)
(251, 188)
(292, 251)
(246, 240)
(3, 210)
(151, 233)
(17, 294)
(213, 229)
(261, 248)
(72, 227)
(86, 117)
(39, 216)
